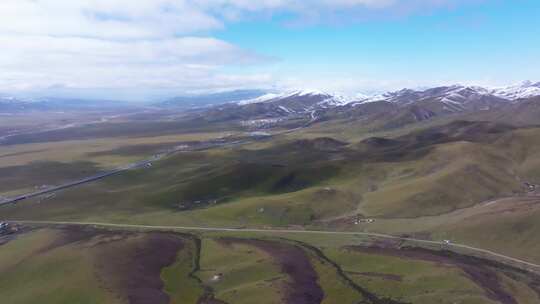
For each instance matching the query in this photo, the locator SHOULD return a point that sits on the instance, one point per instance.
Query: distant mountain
(300, 101)
(205, 100)
(13, 104)
(269, 109)
(82, 104)
(526, 89)
(452, 99)
(311, 105)
(392, 109)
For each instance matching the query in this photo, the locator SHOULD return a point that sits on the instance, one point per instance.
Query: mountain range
(258, 104)
(397, 107)
(455, 98)
(17, 105)
(203, 100)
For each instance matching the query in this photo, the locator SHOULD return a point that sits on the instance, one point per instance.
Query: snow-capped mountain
(301, 100)
(211, 99)
(454, 98)
(526, 89)
(420, 104)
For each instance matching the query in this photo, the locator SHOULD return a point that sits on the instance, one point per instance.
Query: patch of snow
(259, 134)
(526, 89)
(285, 109)
(309, 93)
(374, 98)
(336, 100)
(260, 123)
(263, 98)
(273, 96)
(447, 100)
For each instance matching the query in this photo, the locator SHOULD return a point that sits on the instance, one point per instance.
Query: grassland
(240, 273)
(30, 258)
(459, 180)
(88, 265)
(409, 183)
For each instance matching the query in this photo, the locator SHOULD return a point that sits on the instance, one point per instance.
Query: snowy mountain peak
(263, 98)
(285, 95)
(309, 93)
(526, 89)
(452, 96)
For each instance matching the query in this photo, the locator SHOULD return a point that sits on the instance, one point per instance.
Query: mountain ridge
(454, 98)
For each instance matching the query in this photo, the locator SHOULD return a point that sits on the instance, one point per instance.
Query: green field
(465, 181)
(224, 268)
(409, 183)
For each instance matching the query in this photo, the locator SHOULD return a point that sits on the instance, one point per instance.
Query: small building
(360, 220)
(6, 228)
(217, 277)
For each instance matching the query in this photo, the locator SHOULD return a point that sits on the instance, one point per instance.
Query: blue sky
(154, 48)
(490, 43)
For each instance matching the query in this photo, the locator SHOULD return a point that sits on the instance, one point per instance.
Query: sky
(151, 49)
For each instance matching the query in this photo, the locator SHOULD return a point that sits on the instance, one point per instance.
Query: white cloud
(143, 43)
(104, 18)
(42, 61)
(143, 19)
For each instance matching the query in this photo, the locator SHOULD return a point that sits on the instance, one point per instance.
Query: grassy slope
(180, 283)
(22, 167)
(249, 275)
(419, 282)
(61, 275)
(297, 184)
(421, 180)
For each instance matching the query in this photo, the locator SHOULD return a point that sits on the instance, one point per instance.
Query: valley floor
(244, 267)
(324, 212)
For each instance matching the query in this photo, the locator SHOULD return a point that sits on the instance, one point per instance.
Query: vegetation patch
(303, 287)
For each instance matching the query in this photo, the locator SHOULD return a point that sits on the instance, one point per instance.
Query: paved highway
(85, 180)
(140, 164)
(500, 257)
(199, 147)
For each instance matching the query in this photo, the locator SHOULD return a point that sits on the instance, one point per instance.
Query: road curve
(287, 231)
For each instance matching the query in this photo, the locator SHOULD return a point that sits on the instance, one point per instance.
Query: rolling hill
(443, 165)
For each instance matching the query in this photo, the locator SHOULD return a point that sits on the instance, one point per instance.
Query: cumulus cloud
(126, 19)
(144, 43)
(84, 62)
(115, 44)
